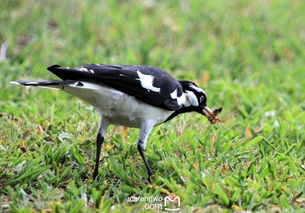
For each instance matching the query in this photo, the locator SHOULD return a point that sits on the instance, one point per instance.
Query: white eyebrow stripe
(147, 81)
(198, 89)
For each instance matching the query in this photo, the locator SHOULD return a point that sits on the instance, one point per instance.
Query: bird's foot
(150, 176)
(150, 179)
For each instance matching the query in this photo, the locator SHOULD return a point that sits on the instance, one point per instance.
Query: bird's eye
(202, 100)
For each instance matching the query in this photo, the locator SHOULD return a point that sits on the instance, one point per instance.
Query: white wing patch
(147, 82)
(180, 100)
(198, 89)
(191, 99)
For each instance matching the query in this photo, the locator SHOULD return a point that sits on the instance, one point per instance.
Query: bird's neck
(181, 111)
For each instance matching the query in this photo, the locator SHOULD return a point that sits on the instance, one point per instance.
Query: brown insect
(212, 115)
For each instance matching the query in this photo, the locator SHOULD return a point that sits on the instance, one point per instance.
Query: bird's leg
(144, 132)
(99, 141)
(141, 151)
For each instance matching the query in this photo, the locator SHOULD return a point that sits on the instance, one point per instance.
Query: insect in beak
(211, 115)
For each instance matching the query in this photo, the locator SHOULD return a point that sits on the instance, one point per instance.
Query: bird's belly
(119, 108)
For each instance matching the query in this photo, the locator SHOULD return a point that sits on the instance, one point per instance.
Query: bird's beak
(211, 115)
(207, 112)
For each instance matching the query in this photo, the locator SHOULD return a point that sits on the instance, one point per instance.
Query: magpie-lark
(137, 96)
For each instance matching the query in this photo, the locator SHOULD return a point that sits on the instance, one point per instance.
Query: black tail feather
(66, 73)
(43, 83)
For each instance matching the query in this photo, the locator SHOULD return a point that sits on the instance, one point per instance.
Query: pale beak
(207, 112)
(211, 115)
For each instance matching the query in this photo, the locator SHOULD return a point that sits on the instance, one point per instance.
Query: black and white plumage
(134, 96)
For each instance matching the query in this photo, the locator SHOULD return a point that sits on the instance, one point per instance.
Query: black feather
(45, 83)
(125, 79)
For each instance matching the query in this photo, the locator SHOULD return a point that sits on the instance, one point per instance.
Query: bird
(138, 96)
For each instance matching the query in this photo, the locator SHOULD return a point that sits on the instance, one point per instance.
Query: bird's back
(146, 83)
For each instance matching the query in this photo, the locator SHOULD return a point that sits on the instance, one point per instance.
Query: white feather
(83, 69)
(198, 89)
(147, 82)
(174, 94)
(14, 82)
(191, 99)
(117, 107)
(180, 99)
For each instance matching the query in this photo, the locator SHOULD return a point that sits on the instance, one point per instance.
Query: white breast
(117, 107)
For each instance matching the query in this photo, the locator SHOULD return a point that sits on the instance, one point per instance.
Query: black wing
(148, 84)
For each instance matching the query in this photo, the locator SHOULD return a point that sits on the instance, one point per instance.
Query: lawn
(247, 55)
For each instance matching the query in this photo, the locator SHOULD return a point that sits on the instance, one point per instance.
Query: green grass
(249, 57)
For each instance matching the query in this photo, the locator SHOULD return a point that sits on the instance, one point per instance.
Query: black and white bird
(137, 96)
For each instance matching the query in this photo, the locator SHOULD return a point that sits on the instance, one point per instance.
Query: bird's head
(196, 100)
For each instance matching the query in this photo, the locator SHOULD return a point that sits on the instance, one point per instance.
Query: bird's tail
(50, 84)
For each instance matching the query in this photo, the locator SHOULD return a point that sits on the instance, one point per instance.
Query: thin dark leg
(99, 142)
(148, 169)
